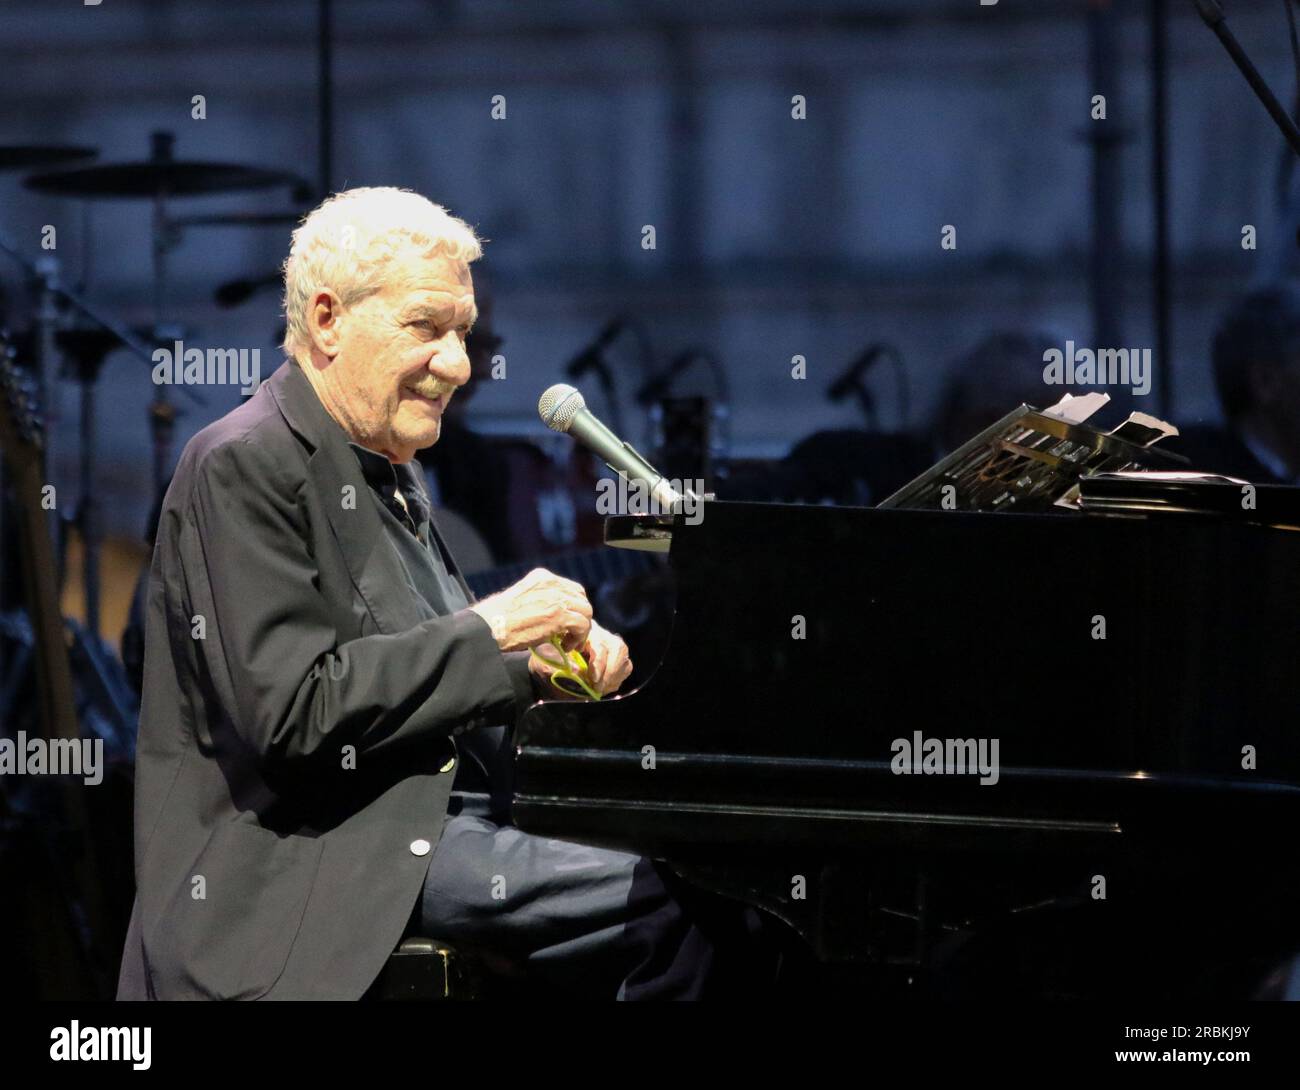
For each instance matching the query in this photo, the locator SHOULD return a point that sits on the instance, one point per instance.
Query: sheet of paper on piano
(1140, 428)
(1075, 410)
(1144, 430)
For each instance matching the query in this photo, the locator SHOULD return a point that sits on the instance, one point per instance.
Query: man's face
(401, 355)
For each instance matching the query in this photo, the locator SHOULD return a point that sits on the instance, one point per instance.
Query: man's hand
(539, 606)
(608, 665)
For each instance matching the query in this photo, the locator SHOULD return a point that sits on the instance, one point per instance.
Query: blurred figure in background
(1256, 358)
(1001, 372)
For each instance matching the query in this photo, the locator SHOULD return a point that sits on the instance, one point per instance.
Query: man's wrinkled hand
(539, 606)
(608, 664)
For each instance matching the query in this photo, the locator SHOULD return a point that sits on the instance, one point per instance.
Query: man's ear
(323, 318)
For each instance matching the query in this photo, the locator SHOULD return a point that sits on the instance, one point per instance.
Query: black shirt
(410, 529)
(483, 775)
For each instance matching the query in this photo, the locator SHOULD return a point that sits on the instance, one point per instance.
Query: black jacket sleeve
(272, 653)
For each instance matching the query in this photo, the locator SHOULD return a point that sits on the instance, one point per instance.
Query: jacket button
(448, 766)
(419, 847)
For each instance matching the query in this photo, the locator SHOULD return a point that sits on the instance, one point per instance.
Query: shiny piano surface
(771, 778)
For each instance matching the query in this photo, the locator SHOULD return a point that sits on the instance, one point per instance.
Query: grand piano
(1137, 667)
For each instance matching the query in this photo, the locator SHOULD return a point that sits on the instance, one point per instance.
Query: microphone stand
(606, 380)
(851, 382)
(866, 402)
(1212, 14)
(129, 341)
(592, 358)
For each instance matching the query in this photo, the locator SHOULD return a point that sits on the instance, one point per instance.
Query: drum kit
(68, 337)
(58, 675)
(160, 179)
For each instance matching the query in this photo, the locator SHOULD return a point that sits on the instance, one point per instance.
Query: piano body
(1139, 674)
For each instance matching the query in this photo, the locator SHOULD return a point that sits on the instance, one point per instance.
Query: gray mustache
(432, 390)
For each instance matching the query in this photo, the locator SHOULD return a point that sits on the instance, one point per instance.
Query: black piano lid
(957, 624)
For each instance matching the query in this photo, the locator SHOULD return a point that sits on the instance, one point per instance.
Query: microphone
(563, 409)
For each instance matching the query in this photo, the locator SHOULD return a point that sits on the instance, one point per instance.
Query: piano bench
(424, 969)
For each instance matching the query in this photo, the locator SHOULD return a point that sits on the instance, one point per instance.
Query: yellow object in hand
(570, 671)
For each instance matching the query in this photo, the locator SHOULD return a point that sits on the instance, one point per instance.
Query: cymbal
(151, 178)
(239, 219)
(25, 156)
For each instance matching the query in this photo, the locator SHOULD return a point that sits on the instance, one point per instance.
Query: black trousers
(587, 921)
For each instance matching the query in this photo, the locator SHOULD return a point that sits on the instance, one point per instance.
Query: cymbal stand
(162, 413)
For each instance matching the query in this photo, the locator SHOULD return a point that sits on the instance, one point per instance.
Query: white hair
(348, 242)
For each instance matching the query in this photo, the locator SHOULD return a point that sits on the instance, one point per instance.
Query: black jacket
(299, 714)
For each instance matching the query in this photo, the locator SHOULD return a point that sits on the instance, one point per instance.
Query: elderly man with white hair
(323, 759)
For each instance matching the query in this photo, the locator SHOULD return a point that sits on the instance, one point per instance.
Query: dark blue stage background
(758, 190)
(775, 237)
